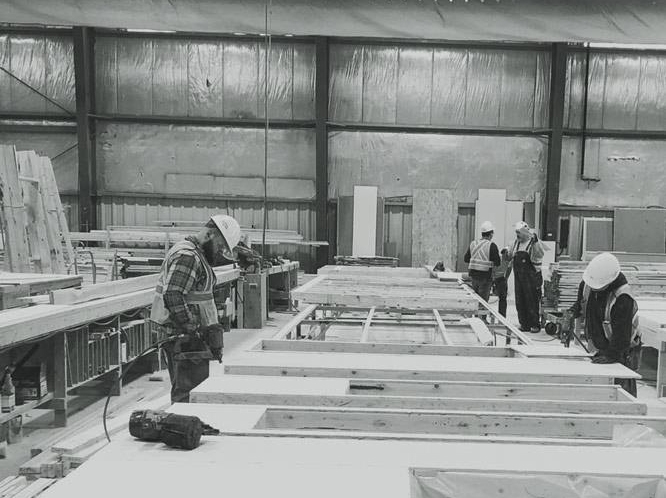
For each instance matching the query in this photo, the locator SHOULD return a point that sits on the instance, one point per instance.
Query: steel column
(85, 99)
(321, 148)
(556, 119)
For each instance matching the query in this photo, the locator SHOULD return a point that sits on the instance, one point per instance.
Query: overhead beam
(85, 98)
(321, 147)
(556, 121)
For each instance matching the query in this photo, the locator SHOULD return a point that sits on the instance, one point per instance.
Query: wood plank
(365, 333)
(287, 329)
(314, 392)
(434, 221)
(446, 339)
(35, 213)
(364, 236)
(481, 330)
(51, 201)
(35, 488)
(381, 348)
(49, 178)
(13, 212)
(103, 290)
(424, 367)
(373, 271)
(551, 425)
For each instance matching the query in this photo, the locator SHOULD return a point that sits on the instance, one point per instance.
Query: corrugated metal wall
(203, 78)
(439, 86)
(46, 63)
(139, 164)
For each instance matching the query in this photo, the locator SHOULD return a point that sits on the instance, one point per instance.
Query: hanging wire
(267, 46)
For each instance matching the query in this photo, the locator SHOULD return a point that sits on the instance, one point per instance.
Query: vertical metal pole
(321, 148)
(84, 84)
(556, 118)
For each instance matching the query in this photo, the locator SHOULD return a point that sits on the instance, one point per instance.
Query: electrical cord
(153, 347)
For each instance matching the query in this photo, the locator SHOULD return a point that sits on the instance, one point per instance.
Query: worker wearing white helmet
(610, 315)
(184, 303)
(481, 256)
(526, 255)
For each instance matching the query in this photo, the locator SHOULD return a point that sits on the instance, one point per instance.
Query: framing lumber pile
(379, 291)
(381, 261)
(646, 279)
(34, 224)
(16, 287)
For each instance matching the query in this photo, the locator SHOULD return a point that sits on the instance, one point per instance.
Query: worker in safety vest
(610, 315)
(481, 257)
(184, 302)
(526, 255)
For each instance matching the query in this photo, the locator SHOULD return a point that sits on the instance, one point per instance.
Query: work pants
(631, 360)
(185, 374)
(528, 282)
(481, 285)
(502, 290)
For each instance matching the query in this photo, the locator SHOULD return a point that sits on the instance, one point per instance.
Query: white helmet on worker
(521, 225)
(602, 270)
(229, 228)
(486, 227)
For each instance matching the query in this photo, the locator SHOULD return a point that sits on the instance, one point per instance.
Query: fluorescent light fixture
(627, 46)
(146, 30)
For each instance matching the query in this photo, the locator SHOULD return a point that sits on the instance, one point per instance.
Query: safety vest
(612, 297)
(202, 299)
(479, 251)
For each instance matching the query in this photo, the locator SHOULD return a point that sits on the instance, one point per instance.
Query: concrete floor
(235, 342)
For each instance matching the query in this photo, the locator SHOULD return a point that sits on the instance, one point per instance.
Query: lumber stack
(646, 279)
(367, 261)
(33, 219)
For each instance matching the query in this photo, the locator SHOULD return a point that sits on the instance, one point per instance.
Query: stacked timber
(646, 279)
(367, 261)
(36, 235)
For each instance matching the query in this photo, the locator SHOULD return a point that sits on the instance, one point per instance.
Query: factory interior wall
(148, 171)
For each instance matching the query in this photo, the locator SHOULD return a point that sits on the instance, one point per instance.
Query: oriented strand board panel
(639, 230)
(513, 213)
(364, 239)
(434, 232)
(491, 206)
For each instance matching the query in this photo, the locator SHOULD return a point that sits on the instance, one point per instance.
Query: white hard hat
(486, 227)
(602, 270)
(521, 225)
(230, 230)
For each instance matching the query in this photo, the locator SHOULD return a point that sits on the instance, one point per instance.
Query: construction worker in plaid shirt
(184, 302)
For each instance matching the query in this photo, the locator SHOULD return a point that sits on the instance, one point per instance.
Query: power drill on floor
(174, 430)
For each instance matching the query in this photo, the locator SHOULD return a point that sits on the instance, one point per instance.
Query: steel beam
(556, 120)
(321, 148)
(85, 101)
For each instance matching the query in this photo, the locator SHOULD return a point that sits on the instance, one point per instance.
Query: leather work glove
(602, 359)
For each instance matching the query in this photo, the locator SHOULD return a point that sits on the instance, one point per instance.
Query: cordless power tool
(174, 430)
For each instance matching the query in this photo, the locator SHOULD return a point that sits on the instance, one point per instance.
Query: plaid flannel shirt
(186, 274)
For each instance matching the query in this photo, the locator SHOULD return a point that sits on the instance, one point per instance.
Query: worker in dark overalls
(526, 255)
(610, 314)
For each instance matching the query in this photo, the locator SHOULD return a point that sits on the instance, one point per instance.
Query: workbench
(84, 336)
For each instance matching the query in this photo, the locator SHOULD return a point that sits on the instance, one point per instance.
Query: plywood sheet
(639, 230)
(513, 213)
(434, 232)
(364, 239)
(491, 206)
